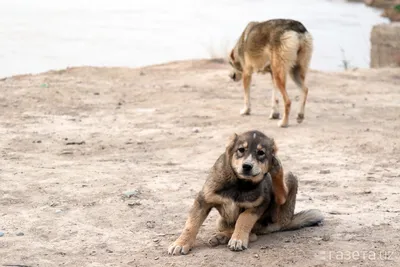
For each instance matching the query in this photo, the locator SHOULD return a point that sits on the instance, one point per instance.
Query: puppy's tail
(304, 218)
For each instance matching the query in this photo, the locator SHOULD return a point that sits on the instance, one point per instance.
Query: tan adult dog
(251, 193)
(278, 46)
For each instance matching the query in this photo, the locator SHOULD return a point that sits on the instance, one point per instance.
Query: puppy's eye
(260, 153)
(241, 150)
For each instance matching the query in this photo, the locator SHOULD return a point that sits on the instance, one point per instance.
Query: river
(40, 35)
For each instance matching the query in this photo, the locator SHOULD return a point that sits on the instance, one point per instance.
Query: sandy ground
(73, 141)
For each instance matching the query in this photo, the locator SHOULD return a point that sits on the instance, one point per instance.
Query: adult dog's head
(237, 70)
(250, 155)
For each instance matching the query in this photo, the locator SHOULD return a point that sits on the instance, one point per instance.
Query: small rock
(20, 234)
(58, 211)
(142, 73)
(1, 234)
(287, 241)
(326, 238)
(134, 203)
(367, 192)
(109, 251)
(156, 240)
(324, 171)
(96, 93)
(256, 256)
(150, 224)
(353, 105)
(156, 258)
(367, 130)
(195, 130)
(132, 193)
(265, 247)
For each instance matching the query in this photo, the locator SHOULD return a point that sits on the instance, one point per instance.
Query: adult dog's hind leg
(298, 74)
(274, 104)
(279, 77)
(246, 86)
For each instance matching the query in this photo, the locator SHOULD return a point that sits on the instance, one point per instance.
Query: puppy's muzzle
(247, 167)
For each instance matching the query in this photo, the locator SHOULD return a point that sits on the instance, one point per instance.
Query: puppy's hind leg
(225, 231)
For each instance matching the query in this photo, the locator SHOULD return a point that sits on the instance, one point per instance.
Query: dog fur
(278, 47)
(251, 193)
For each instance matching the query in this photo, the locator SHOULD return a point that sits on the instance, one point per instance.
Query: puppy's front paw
(179, 248)
(245, 111)
(238, 244)
(218, 239)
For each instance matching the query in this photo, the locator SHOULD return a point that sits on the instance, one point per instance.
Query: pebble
(58, 211)
(20, 234)
(326, 238)
(195, 130)
(129, 194)
(1, 234)
(256, 256)
(324, 171)
(156, 258)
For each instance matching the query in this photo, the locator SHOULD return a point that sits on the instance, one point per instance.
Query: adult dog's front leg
(244, 224)
(246, 86)
(197, 215)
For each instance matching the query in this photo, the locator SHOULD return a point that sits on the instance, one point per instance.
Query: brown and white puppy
(278, 46)
(248, 188)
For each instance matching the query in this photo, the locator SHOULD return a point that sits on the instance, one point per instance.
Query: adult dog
(278, 46)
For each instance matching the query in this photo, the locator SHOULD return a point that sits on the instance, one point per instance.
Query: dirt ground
(74, 141)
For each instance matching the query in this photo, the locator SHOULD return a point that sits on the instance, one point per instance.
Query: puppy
(278, 47)
(248, 188)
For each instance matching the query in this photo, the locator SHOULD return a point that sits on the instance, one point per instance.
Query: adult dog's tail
(304, 218)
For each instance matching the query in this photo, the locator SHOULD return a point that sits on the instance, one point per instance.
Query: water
(39, 35)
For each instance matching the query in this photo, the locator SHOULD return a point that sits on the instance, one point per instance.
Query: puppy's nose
(247, 167)
(234, 76)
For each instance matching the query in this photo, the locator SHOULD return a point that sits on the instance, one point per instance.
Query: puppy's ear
(232, 55)
(231, 142)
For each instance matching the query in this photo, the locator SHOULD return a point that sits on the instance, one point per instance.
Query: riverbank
(73, 141)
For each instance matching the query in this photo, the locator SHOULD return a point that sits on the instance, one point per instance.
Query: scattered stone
(142, 73)
(185, 86)
(156, 258)
(1, 234)
(58, 211)
(326, 238)
(156, 240)
(195, 130)
(132, 193)
(96, 93)
(75, 143)
(367, 130)
(37, 141)
(353, 105)
(265, 247)
(287, 241)
(367, 192)
(150, 224)
(109, 251)
(324, 171)
(134, 203)
(20, 234)
(256, 256)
